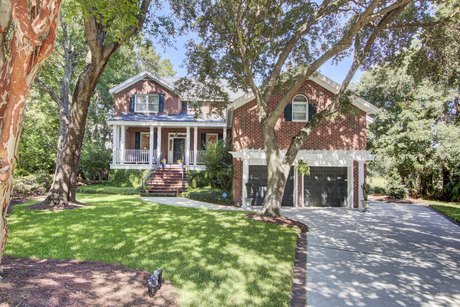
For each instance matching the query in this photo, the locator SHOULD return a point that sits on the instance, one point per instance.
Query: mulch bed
(28, 282)
(299, 284)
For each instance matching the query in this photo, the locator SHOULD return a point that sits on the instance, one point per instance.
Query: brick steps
(166, 182)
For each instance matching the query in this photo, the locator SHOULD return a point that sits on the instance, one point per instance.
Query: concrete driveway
(392, 255)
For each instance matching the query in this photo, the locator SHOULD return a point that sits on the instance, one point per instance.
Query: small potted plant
(179, 161)
(365, 198)
(163, 163)
(249, 194)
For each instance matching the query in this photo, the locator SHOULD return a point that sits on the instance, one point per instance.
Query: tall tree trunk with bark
(74, 111)
(33, 26)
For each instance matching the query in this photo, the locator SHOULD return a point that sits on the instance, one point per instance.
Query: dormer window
(147, 103)
(300, 108)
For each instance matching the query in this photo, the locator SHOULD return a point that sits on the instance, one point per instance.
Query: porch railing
(200, 156)
(134, 156)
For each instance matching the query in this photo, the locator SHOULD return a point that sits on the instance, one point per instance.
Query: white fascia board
(324, 82)
(139, 77)
(166, 124)
(312, 156)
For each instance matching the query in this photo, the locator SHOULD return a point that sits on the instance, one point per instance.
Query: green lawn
(450, 209)
(214, 258)
(108, 189)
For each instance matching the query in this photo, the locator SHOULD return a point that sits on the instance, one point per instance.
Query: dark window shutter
(131, 103)
(137, 140)
(155, 140)
(220, 136)
(288, 113)
(311, 111)
(203, 141)
(184, 107)
(161, 103)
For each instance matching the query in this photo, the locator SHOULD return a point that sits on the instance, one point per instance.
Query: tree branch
(49, 90)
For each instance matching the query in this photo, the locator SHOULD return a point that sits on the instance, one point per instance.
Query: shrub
(107, 189)
(32, 185)
(95, 161)
(209, 195)
(219, 166)
(197, 179)
(395, 188)
(127, 177)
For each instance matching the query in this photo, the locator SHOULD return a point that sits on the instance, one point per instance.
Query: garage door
(326, 187)
(258, 175)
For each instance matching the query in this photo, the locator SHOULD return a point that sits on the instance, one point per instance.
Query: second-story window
(147, 103)
(300, 108)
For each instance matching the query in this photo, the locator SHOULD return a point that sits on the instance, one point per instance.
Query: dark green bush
(219, 166)
(127, 177)
(210, 195)
(95, 162)
(197, 179)
(32, 185)
(395, 187)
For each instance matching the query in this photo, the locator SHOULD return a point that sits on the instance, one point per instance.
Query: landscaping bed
(33, 282)
(213, 258)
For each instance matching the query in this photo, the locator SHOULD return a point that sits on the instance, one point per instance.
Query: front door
(176, 150)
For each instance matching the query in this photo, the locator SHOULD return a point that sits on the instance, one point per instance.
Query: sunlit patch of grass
(451, 210)
(214, 258)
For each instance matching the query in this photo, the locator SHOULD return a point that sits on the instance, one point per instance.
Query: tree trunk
(278, 172)
(72, 130)
(32, 41)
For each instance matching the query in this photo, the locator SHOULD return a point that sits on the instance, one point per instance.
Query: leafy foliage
(210, 195)
(415, 134)
(31, 185)
(219, 167)
(127, 178)
(197, 179)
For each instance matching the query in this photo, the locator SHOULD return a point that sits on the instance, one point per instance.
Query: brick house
(152, 122)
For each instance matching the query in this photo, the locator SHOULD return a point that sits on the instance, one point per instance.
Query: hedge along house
(151, 122)
(335, 150)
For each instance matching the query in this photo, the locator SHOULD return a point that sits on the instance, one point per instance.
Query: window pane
(299, 107)
(299, 116)
(300, 98)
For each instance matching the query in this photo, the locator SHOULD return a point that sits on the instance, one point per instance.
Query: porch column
(360, 184)
(195, 145)
(114, 144)
(224, 134)
(122, 144)
(151, 147)
(244, 181)
(187, 146)
(158, 145)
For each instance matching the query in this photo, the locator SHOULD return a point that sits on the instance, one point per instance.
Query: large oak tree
(27, 34)
(254, 44)
(107, 25)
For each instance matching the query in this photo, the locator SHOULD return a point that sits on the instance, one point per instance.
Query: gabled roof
(324, 82)
(141, 76)
(169, 83)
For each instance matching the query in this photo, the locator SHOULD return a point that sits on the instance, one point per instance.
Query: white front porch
(147, 146)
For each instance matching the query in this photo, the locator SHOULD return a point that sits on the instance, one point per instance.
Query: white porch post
(187, 146)
(195, 145)
(122, 143)
(244, 181)
(158, 145)
(151, 147)
(360, 184)
(114, 144)
(224, 134)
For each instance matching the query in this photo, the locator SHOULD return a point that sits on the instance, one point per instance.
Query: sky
(177, 54)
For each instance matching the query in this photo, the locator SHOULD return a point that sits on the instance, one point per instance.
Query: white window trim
(146, 111)
(299, 103)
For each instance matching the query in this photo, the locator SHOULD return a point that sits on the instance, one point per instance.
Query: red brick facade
(172, 102)
(342, 132)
